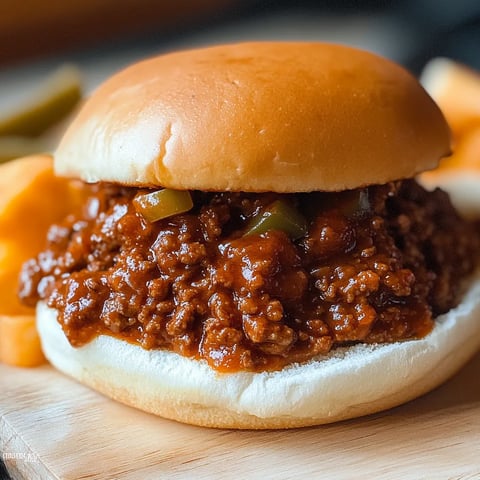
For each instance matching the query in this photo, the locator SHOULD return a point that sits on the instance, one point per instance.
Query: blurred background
(102, 36)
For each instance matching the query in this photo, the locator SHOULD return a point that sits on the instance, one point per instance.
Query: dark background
(3, 472)
(425, 28)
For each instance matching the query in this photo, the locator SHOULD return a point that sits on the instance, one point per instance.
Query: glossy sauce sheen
(376, 265)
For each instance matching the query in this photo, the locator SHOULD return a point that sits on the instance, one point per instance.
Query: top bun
(284, 117)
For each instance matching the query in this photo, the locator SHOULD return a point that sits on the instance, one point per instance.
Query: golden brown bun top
(280, 117)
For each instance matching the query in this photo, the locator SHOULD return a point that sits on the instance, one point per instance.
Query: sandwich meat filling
(255, 281)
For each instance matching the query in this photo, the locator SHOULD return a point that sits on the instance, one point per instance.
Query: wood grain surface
(53, 428)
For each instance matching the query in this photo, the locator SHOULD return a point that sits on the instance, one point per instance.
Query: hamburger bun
(261, 117)
(346, 383)
(282, 117)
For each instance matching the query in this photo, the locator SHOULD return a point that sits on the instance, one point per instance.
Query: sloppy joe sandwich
(254, 251)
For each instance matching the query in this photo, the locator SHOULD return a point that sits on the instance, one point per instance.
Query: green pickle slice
(280, 215)
(14, 147)
(164, 203)
(53, 100)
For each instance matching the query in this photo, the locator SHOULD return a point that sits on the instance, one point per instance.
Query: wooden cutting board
(53, 428)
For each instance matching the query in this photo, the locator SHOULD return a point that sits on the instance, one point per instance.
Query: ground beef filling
(376, 265)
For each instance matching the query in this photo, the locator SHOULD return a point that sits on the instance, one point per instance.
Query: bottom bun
(347, 383)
